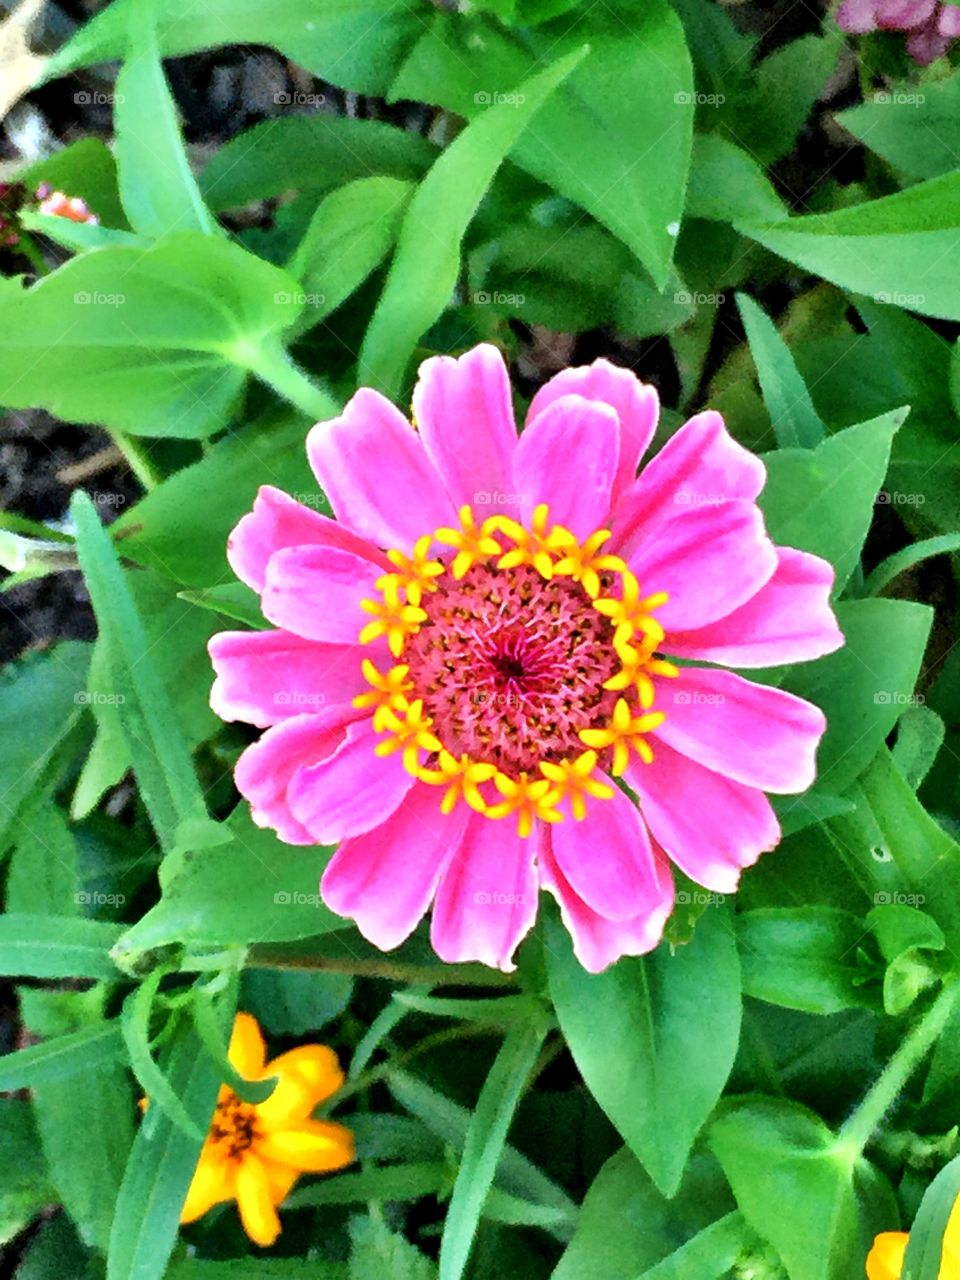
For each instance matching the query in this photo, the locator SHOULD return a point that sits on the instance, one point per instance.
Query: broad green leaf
(674, 1050)
(231, 600)
(709, 1255)
(24, 1183)
(87, 1174)
(44, 946)
(377, 1252)
(44, 876)
(626, 1228)
(726, 182)
(920, 734)
(485, 1140)
(425, 268)
(389, 1182)
(799, 1188)
(291, 1003)
(353, 43)
(637, 68)
(181, 528)
(781, 92)
(897, 249)
(923, 1257)
(916, 132)
(158, 189)
(795, 420)
(311, 153)
(153, 341)
(85, 168)
(804, 958)
(56, 1060)
(254, 888)
(822, 499)
(350, 234)
(157, 750)
(863, 687)
(161, 1165)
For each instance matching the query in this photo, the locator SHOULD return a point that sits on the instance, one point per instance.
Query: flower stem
(264, 957)
(273, 365)
(859, 1128)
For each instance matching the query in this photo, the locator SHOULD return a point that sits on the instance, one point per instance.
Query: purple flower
(930, 26)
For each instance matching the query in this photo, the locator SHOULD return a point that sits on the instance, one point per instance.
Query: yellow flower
(254, 1153)
(886, 1257)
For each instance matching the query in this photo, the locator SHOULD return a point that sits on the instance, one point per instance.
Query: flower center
(233, 1125)
(520, 649)
(510, 667)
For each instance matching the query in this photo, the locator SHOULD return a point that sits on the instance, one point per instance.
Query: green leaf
(637, 68)
(59, 1059)
(154, 341)
(255, 1269)
(161, 1164)
(626, 1228)
(158, 189)
(391, 1182)
(916, 132)
(822, 500)
(254, 888)
(204, 1013)
(350, 234)
(920, 734)
(925, 1246)
(803, 958)
(291, 1003)
(726, 183)
(896, 250)
(379, 1252)
(674, 1050)
(796, 1186)
(85, 168)
(160, 757)
(485, 1140)
(352, 43)
(863, 687)
(795, 420)
(44, 946)
(312, 153)
(24, 1183)
(44, 876)
(135, 1024)
(232, 600)
(425, 268)
(780, 94)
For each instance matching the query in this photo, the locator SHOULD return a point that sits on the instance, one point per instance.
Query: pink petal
(789, 620)
(375, 471)
(606, 858)
(597, 941)
(567, 457)
(487, 899)
(701, 466)
(316, 593)
(710, 826)
(927, 44)
(278, 521)
(265, 769)
(464, 414)
(264, 677)
(948, 20)
(756, 735)
(636, 404)
(899, 15)
(386, 879)
(351, 791)
(709, 560)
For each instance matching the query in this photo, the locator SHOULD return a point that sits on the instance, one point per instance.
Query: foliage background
(752, 212)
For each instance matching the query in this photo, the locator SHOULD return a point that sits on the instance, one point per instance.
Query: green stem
(858, 1130)
(273, 365)
(265, 957)
(900, 561)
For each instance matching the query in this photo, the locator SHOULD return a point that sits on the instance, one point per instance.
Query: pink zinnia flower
(476, 651)
(930, 26)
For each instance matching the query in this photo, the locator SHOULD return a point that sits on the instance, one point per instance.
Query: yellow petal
(247, 1050)
(255, 1202)
(308, 1076)
(212, 1183)
(885, 1261)
(281, 1178)
(316, 1146)
(950, 1260)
